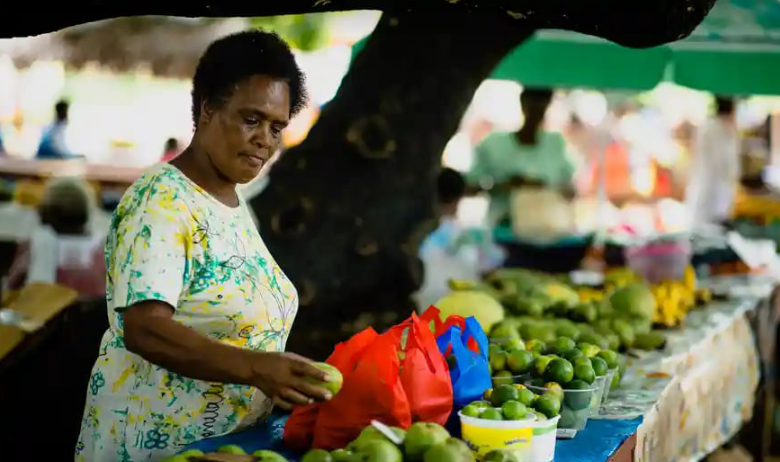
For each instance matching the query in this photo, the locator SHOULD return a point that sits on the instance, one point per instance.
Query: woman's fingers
(306, 368)
(282, 404)
(313, 391)
(293, 396)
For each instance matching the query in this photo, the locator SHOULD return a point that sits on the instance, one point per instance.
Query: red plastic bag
(299, 429)
(372, 391)
(424, 374)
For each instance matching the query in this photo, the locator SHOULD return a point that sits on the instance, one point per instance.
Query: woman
(63, 249)
(199, 311)
(531, 156)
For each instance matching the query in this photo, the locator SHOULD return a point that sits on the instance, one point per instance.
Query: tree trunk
(345, 211)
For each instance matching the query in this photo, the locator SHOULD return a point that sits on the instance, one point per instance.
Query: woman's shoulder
(161, 189)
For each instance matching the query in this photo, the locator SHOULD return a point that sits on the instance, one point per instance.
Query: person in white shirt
(715, 169)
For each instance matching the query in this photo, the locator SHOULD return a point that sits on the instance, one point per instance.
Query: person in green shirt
(531, 156)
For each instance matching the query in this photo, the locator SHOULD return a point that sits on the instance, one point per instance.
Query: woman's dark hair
(239, 56)
(171, 144)
(61, 110)
(534, 103)
(450, 186)
(724, 105)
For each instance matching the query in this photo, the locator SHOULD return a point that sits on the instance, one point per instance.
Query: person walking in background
(53, 143)
(715, 171)
(171, 150)
(531, 156)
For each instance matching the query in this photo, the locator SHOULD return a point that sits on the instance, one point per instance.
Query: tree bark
(346, 210)
(636, 23)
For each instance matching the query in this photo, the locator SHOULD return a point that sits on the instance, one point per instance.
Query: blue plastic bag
(470, 375)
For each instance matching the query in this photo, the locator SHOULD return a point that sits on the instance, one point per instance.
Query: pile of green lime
(509, 360)
(232, 449)
(513, 402)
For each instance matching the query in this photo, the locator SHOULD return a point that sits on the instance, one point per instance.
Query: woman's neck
(197, 166)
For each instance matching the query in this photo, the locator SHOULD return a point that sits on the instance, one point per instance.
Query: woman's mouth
(253, 160)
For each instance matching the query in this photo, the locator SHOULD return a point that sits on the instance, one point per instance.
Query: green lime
(493, 348)
(612, 359)
(341, 455)
(498, 361)
(503, 393)
(600, 366)
(520, 361)
(540, 365)
(562, 344)
(554, 389)
(559, 370)
(513, 344)
(572, 354)
(615, 383)
(548, 404)
(492, 414)
(270, 456)
(585, 373)
(499, 455)
(514, 410)
(588, 349)
(535, 345)
(502, 378)
(537, 382)
(581, 361)
(526, 396)
(471, 411)
(231, 449)
(481, 405)
(577, 395)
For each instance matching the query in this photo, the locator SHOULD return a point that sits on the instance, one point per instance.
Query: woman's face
(241, 136)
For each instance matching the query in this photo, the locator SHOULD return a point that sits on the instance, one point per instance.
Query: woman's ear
(206, 111)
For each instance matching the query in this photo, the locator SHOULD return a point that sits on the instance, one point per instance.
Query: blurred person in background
(532, 156)
(171, 150)
(452, 251)
(715, 169)
(63, 249)
(54, 144)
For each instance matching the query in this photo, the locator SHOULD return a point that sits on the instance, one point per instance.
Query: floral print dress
(173, 242)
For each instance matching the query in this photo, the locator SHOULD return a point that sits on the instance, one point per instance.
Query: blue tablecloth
(600, 439)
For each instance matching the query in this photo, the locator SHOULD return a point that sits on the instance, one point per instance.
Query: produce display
(422, 442)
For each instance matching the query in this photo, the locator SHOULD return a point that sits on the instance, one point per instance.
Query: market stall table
(672, 404)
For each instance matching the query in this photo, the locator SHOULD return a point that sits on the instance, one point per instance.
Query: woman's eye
(276, 130)
(251, 121)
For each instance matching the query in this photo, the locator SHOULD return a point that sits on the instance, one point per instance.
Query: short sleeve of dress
(149, 252)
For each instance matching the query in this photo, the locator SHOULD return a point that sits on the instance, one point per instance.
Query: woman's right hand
(288, 379)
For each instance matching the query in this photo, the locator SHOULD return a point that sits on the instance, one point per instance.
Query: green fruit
(615, 383)
(268, 456)
(335, 379)
(633, 301)
(548, 404)
(231, 449)
(317, 455)
(585, 373)
(577, 400)
(540, 365)
(379, 451)
(452, 450)
(613, 340)
(492, 414)
(567, 330)
(341, 455)
(584, 312)
(588, 349)
(471, 411)
(600, 366)
(537, 382)
(192, 453)
(481, 405)
(568, 418)
(559, 370)
(526, 396)
(572, 354)
(502, 378)
(554, 389)
(503, 393)
(513, 344)
(562, 344)
(650, 341)
(421, 436)
(498, 361)
(504, 330)
(514, 410)
(535, 345)
(520, 361)
(499, 455)
(626, 333)
(493, 348)
(610, 357)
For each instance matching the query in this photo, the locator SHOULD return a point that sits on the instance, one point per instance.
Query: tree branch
(634, 23)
